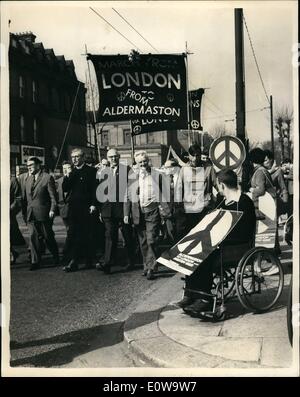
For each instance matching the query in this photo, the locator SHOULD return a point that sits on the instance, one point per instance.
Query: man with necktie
(111, 195)
(39, 199)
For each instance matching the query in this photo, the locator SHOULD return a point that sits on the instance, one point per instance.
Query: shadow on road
(78, 342)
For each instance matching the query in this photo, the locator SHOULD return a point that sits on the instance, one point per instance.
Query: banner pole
(132, 143)
(187, 94)
(97, 146)
(169, 152)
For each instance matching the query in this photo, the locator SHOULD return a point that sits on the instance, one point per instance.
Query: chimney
(26, 36)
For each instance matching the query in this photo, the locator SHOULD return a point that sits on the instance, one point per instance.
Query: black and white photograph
(149, 190)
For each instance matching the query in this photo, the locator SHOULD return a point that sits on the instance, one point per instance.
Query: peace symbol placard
(227, 152)
(200, 242)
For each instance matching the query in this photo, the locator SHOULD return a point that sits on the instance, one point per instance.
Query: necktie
(32, 184)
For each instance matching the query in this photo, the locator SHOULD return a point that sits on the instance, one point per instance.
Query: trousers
(44, 229)
(148, 236)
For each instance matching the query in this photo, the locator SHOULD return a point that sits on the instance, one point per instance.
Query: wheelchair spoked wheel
(229, 284)
(259, 280)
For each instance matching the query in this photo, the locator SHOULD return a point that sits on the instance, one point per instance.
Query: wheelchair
(256, 277)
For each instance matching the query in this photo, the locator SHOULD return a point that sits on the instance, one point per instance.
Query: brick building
(43, 87)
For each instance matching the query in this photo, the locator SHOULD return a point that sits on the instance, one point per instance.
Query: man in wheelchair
(234, 246)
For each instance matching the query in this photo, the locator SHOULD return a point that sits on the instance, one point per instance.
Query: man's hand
(126, 220)
(51, 214)
(92, 209)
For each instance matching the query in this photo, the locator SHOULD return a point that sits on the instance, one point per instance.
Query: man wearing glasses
(80, 184)
(39, 199)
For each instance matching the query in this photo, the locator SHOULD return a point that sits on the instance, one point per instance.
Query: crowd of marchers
(142, 204)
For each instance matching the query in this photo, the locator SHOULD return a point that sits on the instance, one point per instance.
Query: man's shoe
(71, 267)
(34, 266)
(150, 275)
(103, 267)
(197, 307)
(185, 301)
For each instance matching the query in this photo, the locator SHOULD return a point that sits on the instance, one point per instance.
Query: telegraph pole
(272, 125)
(240, 74)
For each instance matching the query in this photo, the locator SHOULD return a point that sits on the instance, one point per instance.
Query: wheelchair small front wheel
(259, 280)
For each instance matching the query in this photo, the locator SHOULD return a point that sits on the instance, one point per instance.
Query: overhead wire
(121, 34)
(233, 114)
(128, 23)
(217, 107)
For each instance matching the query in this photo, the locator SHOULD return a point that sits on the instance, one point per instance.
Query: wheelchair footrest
(219, 314)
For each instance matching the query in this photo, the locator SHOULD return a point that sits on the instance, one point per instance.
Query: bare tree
(283, 121)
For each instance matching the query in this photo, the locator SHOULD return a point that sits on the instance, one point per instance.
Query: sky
(206, 27)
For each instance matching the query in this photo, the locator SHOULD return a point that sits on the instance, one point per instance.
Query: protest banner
(141, 87)
(266, 228)
(200, 242)
(143, 126)
(195, 98)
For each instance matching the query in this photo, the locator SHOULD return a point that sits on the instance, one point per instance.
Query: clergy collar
(79, 167)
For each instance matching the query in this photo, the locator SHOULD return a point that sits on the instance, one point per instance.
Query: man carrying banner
(146, 204)
(238, 241)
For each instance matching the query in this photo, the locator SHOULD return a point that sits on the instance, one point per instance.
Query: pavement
(160, 333)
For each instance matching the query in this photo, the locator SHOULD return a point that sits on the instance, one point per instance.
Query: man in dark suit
(111, 194)
(39, 205)
(63, 207)
(80, 184)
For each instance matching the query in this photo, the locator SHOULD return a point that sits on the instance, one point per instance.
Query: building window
(90, 135)
(141, 139)
(153, 137)
(35, 132)
(127, 137)
(104, 138)
(22, 129)
(34, 92)
(14, 43)
(21, 87)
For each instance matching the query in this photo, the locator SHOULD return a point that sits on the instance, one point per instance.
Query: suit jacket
(81, 186)
(63, 199)
(41, 198)
(111, 191)
(15, 196)
(132, 204)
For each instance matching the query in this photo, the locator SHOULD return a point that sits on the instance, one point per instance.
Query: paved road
(55, 317)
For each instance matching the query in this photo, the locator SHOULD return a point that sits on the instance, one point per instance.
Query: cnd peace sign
(227, 152)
